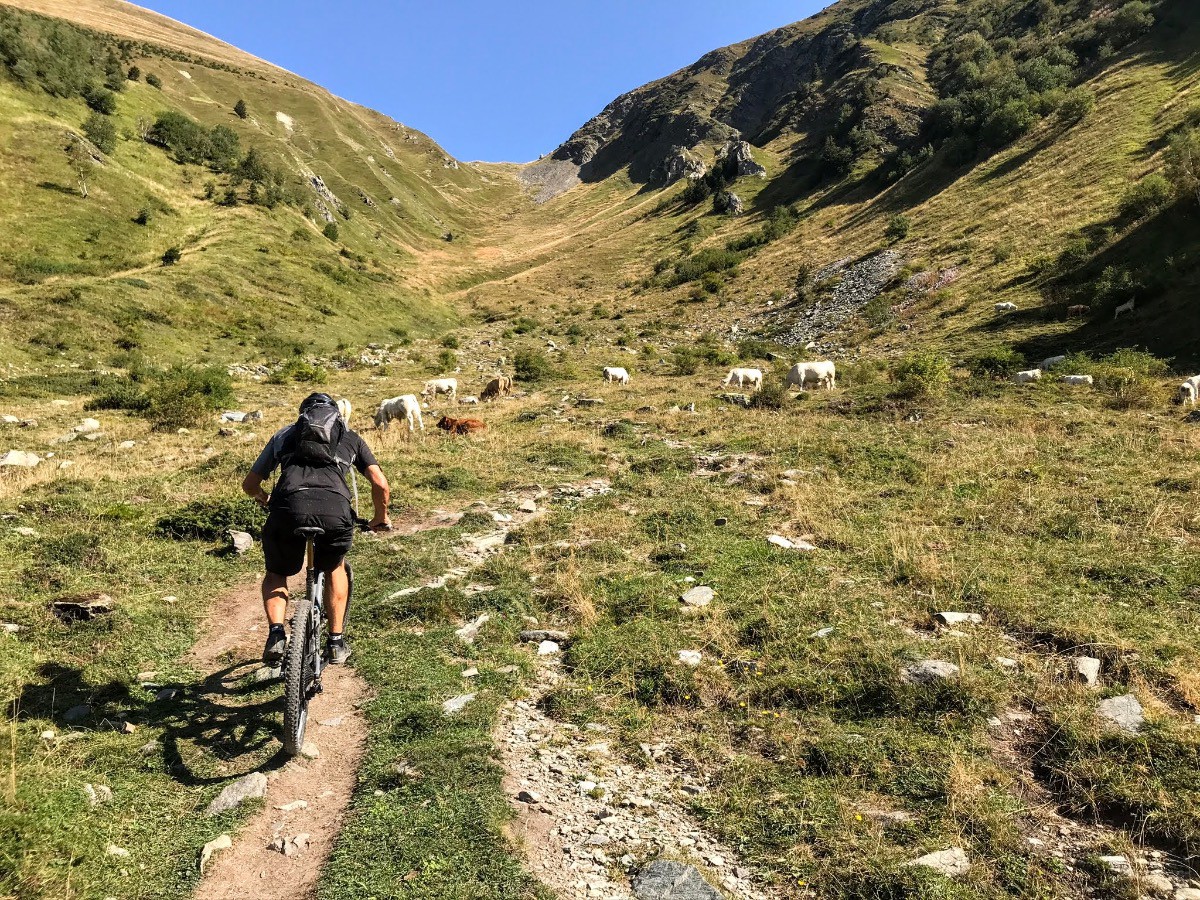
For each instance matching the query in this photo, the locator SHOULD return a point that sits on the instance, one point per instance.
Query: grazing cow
(1028, 377)
(1122, 309)
(461, 426)
(822, 374)
(1051, 361)
(1006, 307)
(345, 409)
(440, 386)
(1078, 379)
(406, 407)
(1189, 391)
(751, 378)
(616, 375)
(500, 386)
(1079, 310)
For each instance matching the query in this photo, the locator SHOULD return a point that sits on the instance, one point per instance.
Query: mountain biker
(313, 455)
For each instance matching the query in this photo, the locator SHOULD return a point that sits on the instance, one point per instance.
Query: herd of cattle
(407, 407)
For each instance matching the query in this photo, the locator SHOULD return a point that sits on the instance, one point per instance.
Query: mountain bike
(305, 657)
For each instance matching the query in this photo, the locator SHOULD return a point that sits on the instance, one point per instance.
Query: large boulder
(665, 879)
(680, 163)
(247, 787)
(738, 157)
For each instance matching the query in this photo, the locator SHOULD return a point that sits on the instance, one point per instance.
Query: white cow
(1189, 391)
(1006, 307)
(1028, 377)
(1122, 309)
(1051, 361)
(616, 375)
(406, 407)
(751, 378)
(1078, 380)
(822, 374)
(441, 386)
(345, 409)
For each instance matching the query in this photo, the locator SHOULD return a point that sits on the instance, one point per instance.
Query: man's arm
(252, 485)
(381, 496)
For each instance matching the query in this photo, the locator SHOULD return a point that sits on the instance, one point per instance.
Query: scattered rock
(98, 793)
(456, 704)
(690, 657)
(698, 597)
(25, 531)
(540, 635)
(233, 795)
(470, 631)
(167, 694)
(82, 607)
(665, 879)
(959, 618)
(952, 863)
(20, 458)
(548, 648)
(471, 672)
(1005, 662)
(114, 850)
(149, 748)
(1157, 884)
(77, 713)
(822, 633)
(929, 671)
(532, 797)
(529, 506)
(1187, 894)
(739, 156)
(310, 750)
(242, 542)
(87, 426)
(10, 627)
(1118, 865)
(1124, 712)
(126, 445)
(778, 540)
(1087, 669)
(222, 843)
(293, 806)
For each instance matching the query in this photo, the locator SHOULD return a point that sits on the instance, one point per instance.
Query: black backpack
(316, 436)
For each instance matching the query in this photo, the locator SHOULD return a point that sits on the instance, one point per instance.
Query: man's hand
(252, 487)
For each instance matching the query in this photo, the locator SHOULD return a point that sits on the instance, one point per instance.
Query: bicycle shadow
(220, 726)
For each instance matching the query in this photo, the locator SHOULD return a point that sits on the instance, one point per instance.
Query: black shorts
(284, 549)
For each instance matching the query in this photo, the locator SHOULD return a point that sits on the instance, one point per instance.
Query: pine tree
(240, 109)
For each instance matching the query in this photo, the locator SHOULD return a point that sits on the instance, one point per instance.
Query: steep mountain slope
(256, 275)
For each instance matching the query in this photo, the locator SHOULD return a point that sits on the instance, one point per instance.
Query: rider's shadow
(221, 726)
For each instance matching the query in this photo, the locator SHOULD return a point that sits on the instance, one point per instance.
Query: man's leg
(337, 590)
(275, 597)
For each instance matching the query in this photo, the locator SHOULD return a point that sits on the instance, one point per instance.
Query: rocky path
(594, 826)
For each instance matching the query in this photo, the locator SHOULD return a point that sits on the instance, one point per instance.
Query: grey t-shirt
(297, 476)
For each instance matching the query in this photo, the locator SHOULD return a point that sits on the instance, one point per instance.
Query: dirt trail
(234, 634)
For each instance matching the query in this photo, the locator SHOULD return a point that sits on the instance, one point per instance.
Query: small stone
(1124, 712)
(48, 735)
(472, 672)
(528, 506)
(293, 806)
(508, 670)
(10, 627)
(529, 797)
(928, 671)
(87, 426)
(242, 542)
(470, 631)
(1157, 884)
(721, 521)
(1118, 865)
(456, 704)
(247, 787)
(1005, 662)
(666, 879)
(1187, 893)
(310, 750)
(126, 445)
(266, 673)
(822, 633)
(98, 793)
(952, 863)
(690, 658)
(698, 597)
(149, 748)
(1087, 669)
(548, 648)
(959, 618)
(77, 713)
(166, 694)
(538, 635)
(82, 608)
(25, 531)
(114, 850)
(222, 843)
(586, 787)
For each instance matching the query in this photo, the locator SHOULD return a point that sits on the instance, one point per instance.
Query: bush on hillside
(999, 363)
(134, 73)
(898, 227)
(100, 131)
(1076, 105)
(299, 371)
(1183, 162)
(101, 100)
(212, 520)
(703, 262)
(154, 81)
(921, 374)
(774, 394)
(531, 365)
(172, 256)
(331, 231)
(1147, 197)
(240, 109)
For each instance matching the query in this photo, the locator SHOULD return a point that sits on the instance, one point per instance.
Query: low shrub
(1146, 198)
(300, 371)
(996, 363)
(922, 374)
(212, 519)
(531, 365)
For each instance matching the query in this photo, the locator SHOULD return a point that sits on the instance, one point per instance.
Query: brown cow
(500, 386)
(461, 426)
(1079, 310)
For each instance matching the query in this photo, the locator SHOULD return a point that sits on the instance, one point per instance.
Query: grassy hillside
(927, 480)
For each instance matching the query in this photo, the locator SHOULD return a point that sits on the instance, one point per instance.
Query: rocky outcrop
(738, 159)
(680, 162)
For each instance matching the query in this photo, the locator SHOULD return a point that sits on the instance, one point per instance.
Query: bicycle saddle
(311, 531)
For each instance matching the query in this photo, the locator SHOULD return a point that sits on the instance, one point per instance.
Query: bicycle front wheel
(301, 668)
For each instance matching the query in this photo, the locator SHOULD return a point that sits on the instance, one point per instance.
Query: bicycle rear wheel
(300, 667)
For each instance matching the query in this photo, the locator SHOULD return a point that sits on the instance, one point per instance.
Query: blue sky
(487, 80)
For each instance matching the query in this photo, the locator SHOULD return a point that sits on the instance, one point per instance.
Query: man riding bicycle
(314, 455)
